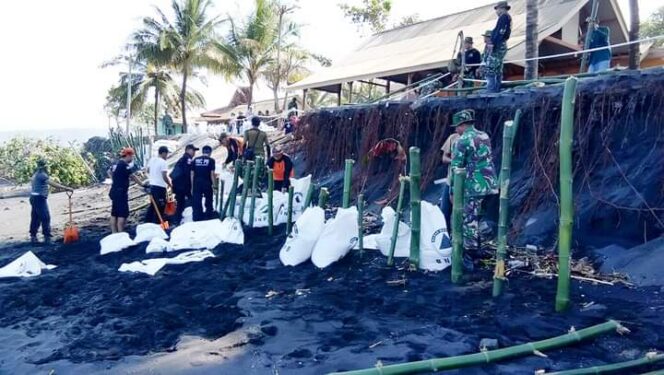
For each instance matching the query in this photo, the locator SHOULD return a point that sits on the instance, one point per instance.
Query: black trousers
(39, 216)
(198, 195)
(158, 194)
(183, 200)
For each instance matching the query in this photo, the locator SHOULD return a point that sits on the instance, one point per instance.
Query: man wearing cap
(473, 152)
(159, 181)
(472, 57)
(181, 181)
(282, 169)
(255, 141)
(40, 215)
(497, 48)
(121, 172)
(202, 182)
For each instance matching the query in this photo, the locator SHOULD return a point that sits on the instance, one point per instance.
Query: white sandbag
(279, 211)
(230, 231)
(115, 242)
(190, 256)
(300, 190)
(227, 177)
(435, 244)
(384, 238)
(158, 245)
(27, 265)
(300, 243)
(148, 231)
(152, 266)
(369, 242)
(197, 235)
(187, 215)
(338, 238)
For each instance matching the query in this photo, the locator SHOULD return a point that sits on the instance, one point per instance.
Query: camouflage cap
(463, 117)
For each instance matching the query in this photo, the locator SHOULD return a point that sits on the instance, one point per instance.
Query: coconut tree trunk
(250, 95)
(183, 101)
(531, 39)
(634, 57)
(156, 109)
(275, 93)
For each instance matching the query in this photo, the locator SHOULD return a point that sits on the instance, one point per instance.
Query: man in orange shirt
(282, 169)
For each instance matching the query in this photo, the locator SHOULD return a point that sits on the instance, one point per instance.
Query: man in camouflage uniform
(496, 46)
(473, 152)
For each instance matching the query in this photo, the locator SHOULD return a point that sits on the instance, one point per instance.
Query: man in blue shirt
(40, 215)
(599, 60)
(498, 47)
(181, 178)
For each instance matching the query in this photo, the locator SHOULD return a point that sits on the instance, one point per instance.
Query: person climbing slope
(40, 215)
(233, 145)
(473, 152)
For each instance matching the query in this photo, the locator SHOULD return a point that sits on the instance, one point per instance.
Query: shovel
(164, 224)
(71, 230)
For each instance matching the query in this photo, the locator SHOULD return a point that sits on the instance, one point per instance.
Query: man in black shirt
(181, 177)
(202, 182)
(119, 194)
(472, 57)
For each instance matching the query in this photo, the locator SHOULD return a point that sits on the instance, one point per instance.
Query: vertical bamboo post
(348, 177)
(270, 202)
(397, 218)
(415, 207)
(254, 188)
(360, 222)
(220, 198)
(457, 224)
(310, 195)
(566, 198)
(289, 223)
(248, 166)
(232, 195)
(322, 197)
(509, 131)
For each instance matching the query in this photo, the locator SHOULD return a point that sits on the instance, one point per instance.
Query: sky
(53, 51)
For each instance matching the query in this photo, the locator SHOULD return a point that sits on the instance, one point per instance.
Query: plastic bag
(338, 238)
(115, 242)
(300, 243)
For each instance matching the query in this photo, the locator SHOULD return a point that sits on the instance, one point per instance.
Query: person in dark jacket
(498, 47)
(120, 173)
(40, 215)
(599, 60)
(472, 57)
(202, 183)
(181, 179)
(282, 169)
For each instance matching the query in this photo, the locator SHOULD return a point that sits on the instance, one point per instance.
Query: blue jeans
(599, 66)
(39, 216)
(446, 206)
(493, 82)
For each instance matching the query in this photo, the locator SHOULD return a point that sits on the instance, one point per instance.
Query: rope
(574, 53)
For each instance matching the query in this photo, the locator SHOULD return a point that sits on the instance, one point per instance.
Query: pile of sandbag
(27, 265)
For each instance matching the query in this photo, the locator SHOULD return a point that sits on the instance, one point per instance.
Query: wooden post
(415, 207)
(339, 95)
(387, 87)
(350, 92)
(348, 181)
(457, 224)
(304, 99)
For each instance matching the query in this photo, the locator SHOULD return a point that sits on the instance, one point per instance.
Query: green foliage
(372, 13)
(654, 26)
(98, 152)
(18, 161)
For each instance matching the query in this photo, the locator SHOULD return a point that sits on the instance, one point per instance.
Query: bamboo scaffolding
(415, 207)
(322, 197)
(270, 202)
(566, 195)
(449, 363)
(248, 166)
(348, 180)
(232, 195)
(310, 195)
(648, 359)
(457, 224)
(220, 198)
(509, 131)
(397, 218)
(254, 188)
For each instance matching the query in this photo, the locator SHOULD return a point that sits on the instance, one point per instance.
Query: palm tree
(531, 39)
(185, 43)
(248, 49)
(634, 34)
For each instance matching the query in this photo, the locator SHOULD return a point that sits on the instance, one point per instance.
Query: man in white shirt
(445, 202)
(159, 181)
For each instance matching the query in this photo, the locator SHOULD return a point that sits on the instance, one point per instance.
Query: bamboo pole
(457, 224)
(449, 363)
(254, 188)
(592, 20)
(415, 207)
(289, 223)
(656, 372)
(232, 195)
(270, 202)
(310, 195)
(348, 177)
(648, 359)
(566, 195)
(360, 222)
(248, 166)
(397, 217)
(322, 197)
(509, 131)
(220, 199)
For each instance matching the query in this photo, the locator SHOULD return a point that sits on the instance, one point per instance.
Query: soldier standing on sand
(473, 152)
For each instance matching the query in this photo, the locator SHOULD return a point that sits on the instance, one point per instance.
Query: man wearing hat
(159, 182)
(181, 180)
(40, 215)
(472, 57)
(121, 172)
(473, 152)
(202, 183)
(498, 46)
(282, 169)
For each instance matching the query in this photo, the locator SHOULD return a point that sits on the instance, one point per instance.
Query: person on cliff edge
(472, 151)
(497, 47)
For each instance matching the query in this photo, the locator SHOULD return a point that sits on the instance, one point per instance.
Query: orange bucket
(71, 230)
(171, 207)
